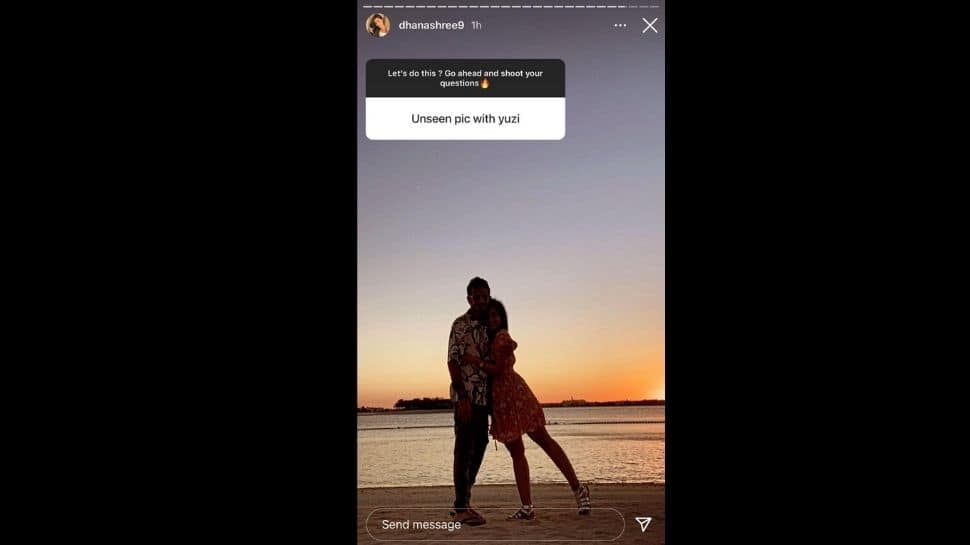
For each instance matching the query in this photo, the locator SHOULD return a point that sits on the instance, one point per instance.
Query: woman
(378, 25)
(516, 411)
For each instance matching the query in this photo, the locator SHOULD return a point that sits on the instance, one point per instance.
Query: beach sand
(615, 506)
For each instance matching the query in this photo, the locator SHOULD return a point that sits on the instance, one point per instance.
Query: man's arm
(456, 349)
(455, 352)
(456, 382)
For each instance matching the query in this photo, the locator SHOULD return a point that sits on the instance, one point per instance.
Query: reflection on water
(605, 444)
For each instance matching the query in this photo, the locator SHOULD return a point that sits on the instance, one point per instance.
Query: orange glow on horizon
(645, 381)
(605, 344)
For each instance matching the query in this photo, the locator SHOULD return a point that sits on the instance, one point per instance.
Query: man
(470, 395)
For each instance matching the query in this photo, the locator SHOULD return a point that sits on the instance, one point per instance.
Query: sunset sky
(579, 265)
(570, 233)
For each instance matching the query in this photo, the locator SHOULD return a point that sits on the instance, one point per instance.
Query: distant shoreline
(380, 410)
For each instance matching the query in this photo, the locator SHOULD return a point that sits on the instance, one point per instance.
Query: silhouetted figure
(469, 392)
(517, 412)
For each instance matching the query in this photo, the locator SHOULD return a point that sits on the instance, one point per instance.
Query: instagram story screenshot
(511, 273)
(471, 199)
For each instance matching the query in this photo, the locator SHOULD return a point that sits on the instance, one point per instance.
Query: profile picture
(378, 25)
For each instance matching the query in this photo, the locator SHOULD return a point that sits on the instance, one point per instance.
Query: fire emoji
(485, 83)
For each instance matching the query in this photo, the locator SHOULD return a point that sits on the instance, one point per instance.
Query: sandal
(524, 513)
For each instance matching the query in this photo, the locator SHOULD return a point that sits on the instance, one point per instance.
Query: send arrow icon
(644, 522)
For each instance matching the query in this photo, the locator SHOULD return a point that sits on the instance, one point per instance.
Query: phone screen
(510, 272)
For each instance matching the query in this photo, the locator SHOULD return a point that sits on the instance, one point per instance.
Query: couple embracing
(480, 361)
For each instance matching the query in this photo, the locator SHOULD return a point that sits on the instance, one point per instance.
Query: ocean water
(604, 444)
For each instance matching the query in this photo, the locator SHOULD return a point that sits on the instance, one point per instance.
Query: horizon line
(541, 403)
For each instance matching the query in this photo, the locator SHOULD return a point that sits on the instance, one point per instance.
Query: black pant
(471, 439)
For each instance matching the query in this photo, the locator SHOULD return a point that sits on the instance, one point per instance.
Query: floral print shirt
(469, 336)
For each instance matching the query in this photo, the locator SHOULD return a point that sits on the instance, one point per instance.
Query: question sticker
(466, 99)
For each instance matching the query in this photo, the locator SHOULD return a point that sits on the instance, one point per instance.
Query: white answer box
(453, 118)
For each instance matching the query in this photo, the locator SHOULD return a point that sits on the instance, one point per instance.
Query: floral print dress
(515, 409)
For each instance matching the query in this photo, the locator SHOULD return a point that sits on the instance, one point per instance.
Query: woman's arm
(490, 368)
(470, 359)
(502, 353)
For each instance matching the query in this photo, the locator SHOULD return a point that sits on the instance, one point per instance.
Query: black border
(236, 411)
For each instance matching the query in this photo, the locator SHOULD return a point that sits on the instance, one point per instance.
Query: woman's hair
(374, 29)
(500, 308)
